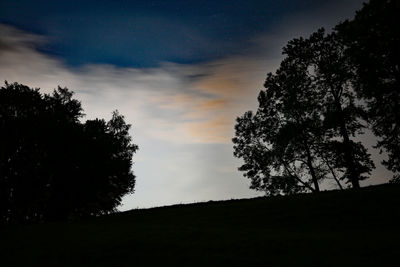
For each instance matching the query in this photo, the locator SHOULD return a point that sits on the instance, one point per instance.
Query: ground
(337, 228)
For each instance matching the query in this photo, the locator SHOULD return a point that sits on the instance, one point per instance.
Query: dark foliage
(279, 143)
(301, 132)
(372, 39)
(329, 69)
(54, 167)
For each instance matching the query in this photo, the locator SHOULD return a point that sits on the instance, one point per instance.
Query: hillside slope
(357, 228)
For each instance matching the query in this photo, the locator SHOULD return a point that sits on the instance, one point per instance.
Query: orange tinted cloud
(208, 106)
(215, 130)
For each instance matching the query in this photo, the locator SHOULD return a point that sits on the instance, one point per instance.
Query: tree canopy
(300, 134)
(327, 90)
(52, 165)
(372, 41)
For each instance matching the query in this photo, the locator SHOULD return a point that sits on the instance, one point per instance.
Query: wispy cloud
(178, 103)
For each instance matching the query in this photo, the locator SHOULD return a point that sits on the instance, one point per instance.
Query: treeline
(329, 88)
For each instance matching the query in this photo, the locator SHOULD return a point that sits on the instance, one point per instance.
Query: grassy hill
(349, 228)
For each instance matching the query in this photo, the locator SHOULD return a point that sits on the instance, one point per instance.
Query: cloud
(180, 103)
(216, 130)
(174, 102)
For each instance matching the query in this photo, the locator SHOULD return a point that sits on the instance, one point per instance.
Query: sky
(179, 71)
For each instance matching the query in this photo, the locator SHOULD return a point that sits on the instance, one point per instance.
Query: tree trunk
(333, 172)
(296, 177)
(348, 153)
(311, 168)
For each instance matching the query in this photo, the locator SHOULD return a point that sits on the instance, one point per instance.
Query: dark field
(350, 228)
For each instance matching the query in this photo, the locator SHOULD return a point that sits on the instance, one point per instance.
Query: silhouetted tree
(267, 166)
(281, 142)
(301, 131)
(372, 40)
(52, 166)
(330, 71)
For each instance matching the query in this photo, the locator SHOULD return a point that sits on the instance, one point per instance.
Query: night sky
(180, 72)
(145, 33)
